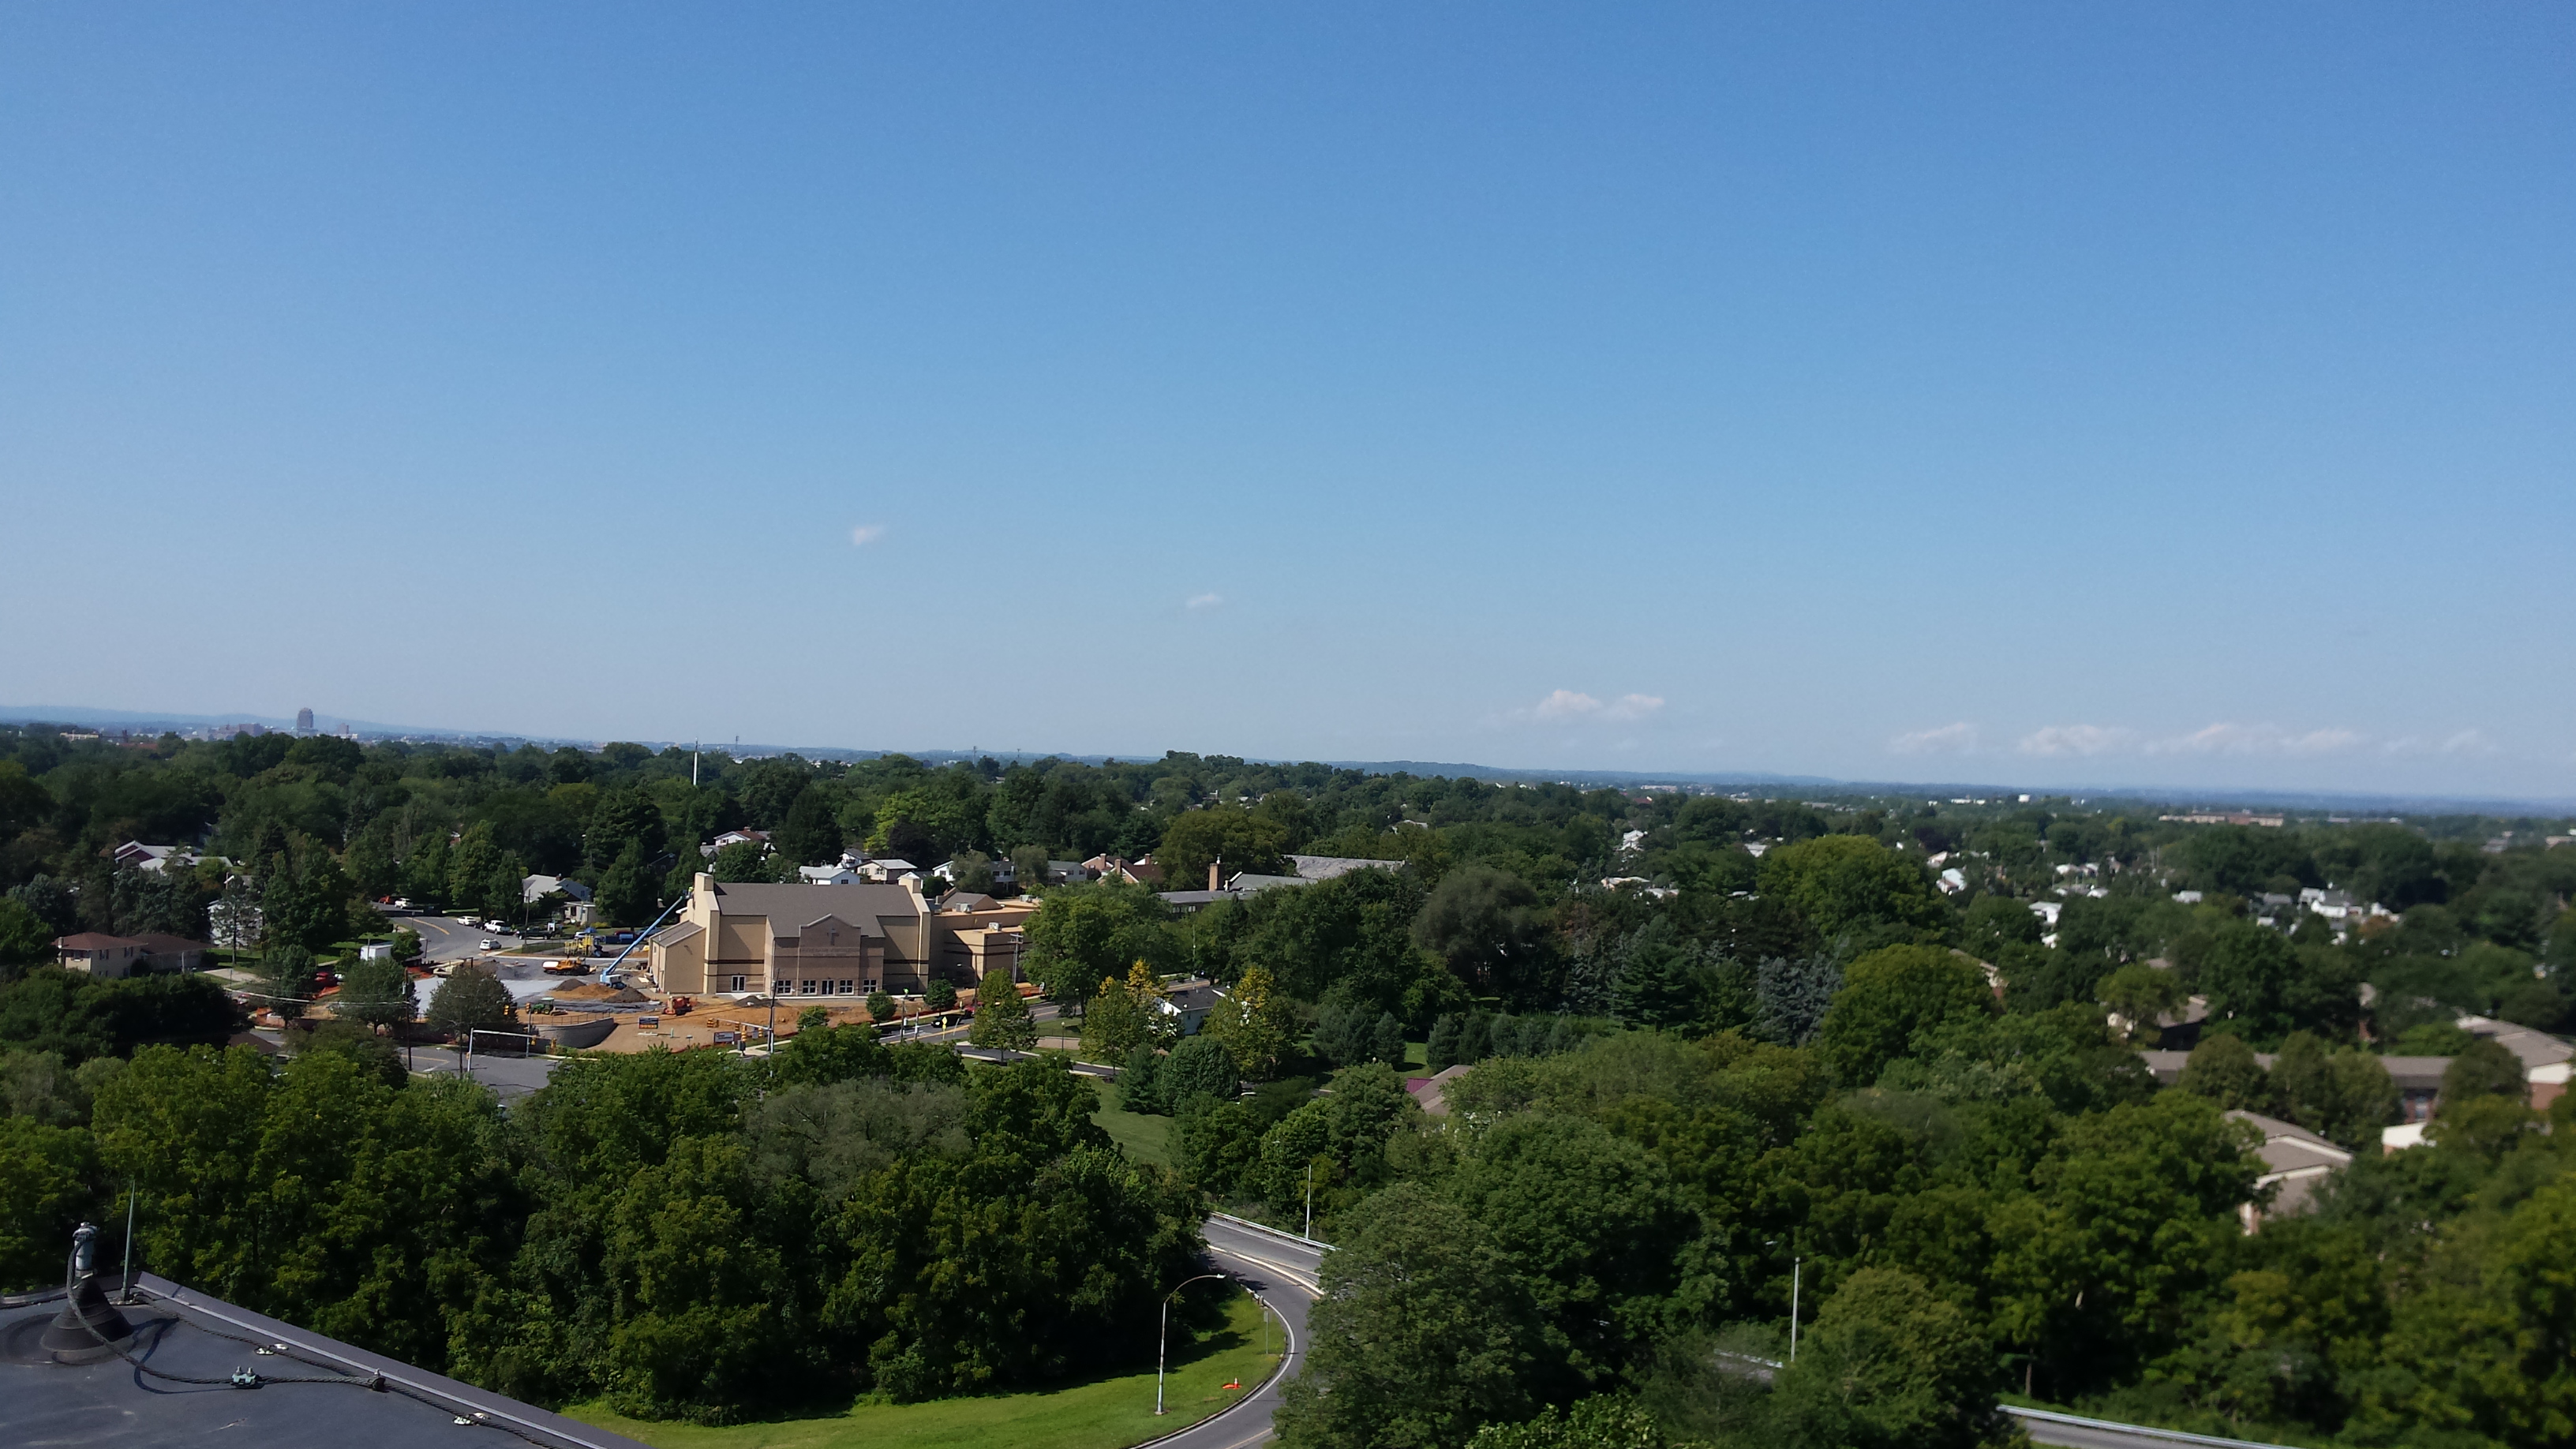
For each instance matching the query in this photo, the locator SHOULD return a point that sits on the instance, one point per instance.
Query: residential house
(888, 871)
(2418, 1079)
(833, 940)
(834, 874)
(113, 958)
(1953, 881)
(1188, 1005)
(2296, 1163)
(1431, 1092)
(577, 903)
(151, 859)
(2545, 1059)
(1069, 872)
(1141, 871)
(733, 837)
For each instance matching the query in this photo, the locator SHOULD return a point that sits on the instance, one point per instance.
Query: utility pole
(1310, 1202)
(1795, 1265)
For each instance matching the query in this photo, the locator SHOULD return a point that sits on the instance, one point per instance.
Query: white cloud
(867, 533)
(1567, 704)
(2081, 739)
(2227, 738)
(1948, 739)
(2469, 742)
(1633, 706)
(1203, 601)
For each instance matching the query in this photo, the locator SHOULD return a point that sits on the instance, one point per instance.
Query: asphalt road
(508, 1077)
(445, 938)
(1281, 1272)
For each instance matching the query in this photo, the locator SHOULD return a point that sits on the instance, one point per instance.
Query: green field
(1140, 1135)
(1106, 1413)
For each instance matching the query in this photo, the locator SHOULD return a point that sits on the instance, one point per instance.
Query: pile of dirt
(593, 991)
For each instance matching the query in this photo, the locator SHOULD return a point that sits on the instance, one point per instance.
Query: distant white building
(836, 874)
(1953, 881)
(2047, 911)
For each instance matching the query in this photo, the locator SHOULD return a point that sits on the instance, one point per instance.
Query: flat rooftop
(186, 1334)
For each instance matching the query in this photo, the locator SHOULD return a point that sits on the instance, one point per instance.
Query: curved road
(1281, 1271)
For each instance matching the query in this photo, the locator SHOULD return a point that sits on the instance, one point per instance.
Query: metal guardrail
(1249, 1226)
(2164, 1436)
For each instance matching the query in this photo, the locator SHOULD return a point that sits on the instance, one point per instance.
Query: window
(804, 988)
(737, 984)
(868, 984)
(849, 987)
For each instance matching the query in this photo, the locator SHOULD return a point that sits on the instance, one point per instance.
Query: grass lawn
(1106, 1413)
(1140, 1135)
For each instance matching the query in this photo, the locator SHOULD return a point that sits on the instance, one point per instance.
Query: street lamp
(1162, 1343)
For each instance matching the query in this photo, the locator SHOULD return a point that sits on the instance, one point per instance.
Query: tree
(1120, 1016)
(407, 946)
(2248, 977)
(1423, 1333)
(626, 891)
(1243, 839)
(811, 834)
(303, 898)
(972, 870)
(1603, 1421)
(744, 861)
(1890, 995)
(1002, 1018)
(1852, 885)
(25, 940)
(1791, 998)
(286, 981)
(471, 1000)
(940, 995)
(2345, 1096)
(377, 993)
(881, 1007)
(1029, 867)
(1199, 1066)
(45, 1172)
(2484, 1069)
(1889, 1364)
(1084, 934)
(471, 867)
(2139, 994)
(1247, 1020)
(2223, 1070)
(1485, 924)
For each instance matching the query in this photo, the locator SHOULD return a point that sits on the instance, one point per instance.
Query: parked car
(488, 944)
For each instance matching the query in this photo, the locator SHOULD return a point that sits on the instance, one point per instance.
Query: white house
(827, 875)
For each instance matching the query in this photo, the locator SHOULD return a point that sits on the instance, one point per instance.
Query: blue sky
(2035, 394)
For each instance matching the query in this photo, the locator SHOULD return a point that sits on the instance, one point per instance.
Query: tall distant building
(304, 720)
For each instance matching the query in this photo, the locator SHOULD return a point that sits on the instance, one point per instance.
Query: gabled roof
(791, 906)
(95, 941)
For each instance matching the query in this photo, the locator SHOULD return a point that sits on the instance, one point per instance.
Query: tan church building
(742, 938)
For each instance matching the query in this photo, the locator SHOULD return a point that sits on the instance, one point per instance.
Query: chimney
(1216, 875)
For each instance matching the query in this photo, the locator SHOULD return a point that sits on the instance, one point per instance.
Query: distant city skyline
(2173, 398)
